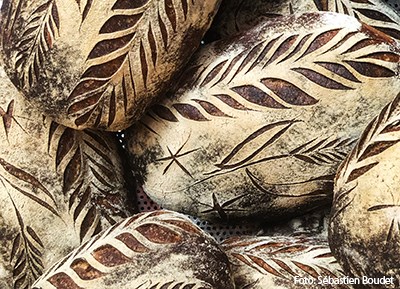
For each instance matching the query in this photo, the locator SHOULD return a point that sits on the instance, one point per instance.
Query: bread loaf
(364, 225)
(58, 187)
(154, 250)
(99, 64)
(283, 263)
(373, 12)
(238, 15)
(260, 122)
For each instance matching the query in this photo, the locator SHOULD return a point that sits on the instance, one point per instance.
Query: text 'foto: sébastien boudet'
(327, 280)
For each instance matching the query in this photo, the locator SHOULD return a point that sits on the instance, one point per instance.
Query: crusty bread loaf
(239, 15)
(58, 187)
(260, 122)
(283, 263)
(364, 226)
(155, 250)
(98, 64)
(236, 16)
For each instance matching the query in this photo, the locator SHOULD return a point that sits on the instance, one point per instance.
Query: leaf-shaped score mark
(367, 11)
(109, 256)
(189, 111)
(283, 259)
(62, 280)
(254, 144)
(288, 92)
(321, 79)
(257, 96)
(86, 98)
(90, 186)
(86, 9)
(172, 285)
(270, 189)
(380, 135)
(317, 58)
(381, 20)
(109, 77)
(26, 254)
(159, 234)
(8, 117)
(133, 238)
(35, 185)
(371, 69)
(84, 270)
(323, 151)
(132, 243)
(79, 153)
(37, 38)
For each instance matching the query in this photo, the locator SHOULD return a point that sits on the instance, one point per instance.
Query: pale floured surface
(364, 227)
(279, 262)
(159, 249)
(130, 53)
(232, 136)
(54, 185)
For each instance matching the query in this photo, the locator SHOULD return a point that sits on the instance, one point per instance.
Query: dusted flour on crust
(154, 250)
(260, 123)
(283, 263)
(99, 64)
(364, 226)
(58, 187)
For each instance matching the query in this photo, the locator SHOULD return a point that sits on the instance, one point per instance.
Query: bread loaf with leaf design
(261, 122)
(364, 231)
(283, 263)
(373, 12)
(159, 249)
(58, 187)
(238, 15)
(99, 64)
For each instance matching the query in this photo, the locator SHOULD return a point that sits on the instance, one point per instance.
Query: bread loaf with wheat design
(283, 263)
(260, 123)
(99, 64)
(364, 230)
(239, 15)
(58, 187)
(160, 249)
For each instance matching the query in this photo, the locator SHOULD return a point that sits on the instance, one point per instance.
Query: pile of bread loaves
(234, 111)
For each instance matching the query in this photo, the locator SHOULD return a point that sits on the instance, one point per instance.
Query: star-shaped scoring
(173, 157)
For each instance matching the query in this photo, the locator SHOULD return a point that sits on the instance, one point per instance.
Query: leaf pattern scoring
(85, 159)
(379, 135)
(37, 38)
(333, 59)
(120, 244)
(281, 258)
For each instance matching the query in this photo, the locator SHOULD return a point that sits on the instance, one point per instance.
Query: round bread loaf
(240, 15)
(58, 187)
(99, 64)
(364, 226)
(156, 250)
(283, 263)
(260, 123)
